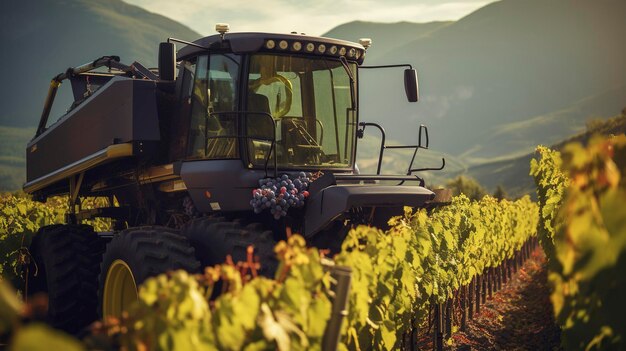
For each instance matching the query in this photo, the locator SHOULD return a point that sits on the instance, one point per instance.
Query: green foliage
(551, 186)
(286, 313)
(40, 337)
(397, 275)
(423, 259)
(583, 210)
(10, 307)
(20, 218)
(34, 337)
(467, 186)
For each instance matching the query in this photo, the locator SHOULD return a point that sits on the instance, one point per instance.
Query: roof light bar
(312, 47)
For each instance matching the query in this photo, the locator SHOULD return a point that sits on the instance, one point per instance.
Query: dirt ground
(518, 317)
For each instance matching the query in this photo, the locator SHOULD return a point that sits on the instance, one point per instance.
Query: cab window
(213, 130)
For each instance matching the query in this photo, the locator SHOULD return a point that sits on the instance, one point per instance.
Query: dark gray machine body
(123, 110)
(127, 139)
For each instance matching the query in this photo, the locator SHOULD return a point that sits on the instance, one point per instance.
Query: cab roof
(250, 42)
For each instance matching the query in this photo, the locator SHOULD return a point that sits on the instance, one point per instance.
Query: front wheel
(65, 265)
(135, 255)
(216, 238)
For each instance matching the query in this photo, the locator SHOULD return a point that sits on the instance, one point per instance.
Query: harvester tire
(66, 261)
(215, 237)
(134, 255)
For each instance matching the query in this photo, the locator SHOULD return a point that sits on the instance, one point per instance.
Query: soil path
(518, 317)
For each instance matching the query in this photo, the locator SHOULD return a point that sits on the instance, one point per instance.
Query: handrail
(104, 61)
(360, 134)
(383, 147)
(248, 137)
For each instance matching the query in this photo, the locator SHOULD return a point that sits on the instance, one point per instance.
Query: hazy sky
(313, 17)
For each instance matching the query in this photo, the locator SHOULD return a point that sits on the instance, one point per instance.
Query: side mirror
(423, 132)
(410, 85)
(167, 61)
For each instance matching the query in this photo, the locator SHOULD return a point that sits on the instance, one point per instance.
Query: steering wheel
(213, 123)
(283, 106)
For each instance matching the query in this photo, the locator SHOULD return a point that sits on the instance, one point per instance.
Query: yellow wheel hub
(120, 289)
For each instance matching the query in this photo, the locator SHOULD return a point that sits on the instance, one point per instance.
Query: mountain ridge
(509, 61)
(48, 37)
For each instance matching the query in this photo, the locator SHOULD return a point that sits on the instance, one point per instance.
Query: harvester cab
(260, 105)
(237, 139)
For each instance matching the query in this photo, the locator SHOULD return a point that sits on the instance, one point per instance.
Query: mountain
(42, 38)
(12, 163)
(495, 83)
(550, 128)
(513, 173)
(542, 66)
(385, 36)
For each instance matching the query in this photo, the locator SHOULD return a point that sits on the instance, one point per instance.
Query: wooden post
(413, 336)
(510, 270)
(448, 320)
(438, 334)
(483, 288)
(332, 334)
(490, 281)
(478, 292)
(470, 298)
(464, 308)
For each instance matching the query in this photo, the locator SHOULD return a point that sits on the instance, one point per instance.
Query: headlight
(333, 50)
(283, 44)
(321, 48)
(342, 51)
(296, 46)
(270, 44)
(310, 47)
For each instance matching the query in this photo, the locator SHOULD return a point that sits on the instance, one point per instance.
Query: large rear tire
(66, 259)
(215, 237)
(134, 255)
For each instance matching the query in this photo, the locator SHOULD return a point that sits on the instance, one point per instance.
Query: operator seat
(258, 123)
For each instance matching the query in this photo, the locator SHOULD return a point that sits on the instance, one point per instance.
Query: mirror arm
(388, 66)
(411, 86)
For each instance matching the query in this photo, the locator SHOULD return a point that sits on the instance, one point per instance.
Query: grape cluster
(280, 194)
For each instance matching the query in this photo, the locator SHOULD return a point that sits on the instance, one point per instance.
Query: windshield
(311, 107)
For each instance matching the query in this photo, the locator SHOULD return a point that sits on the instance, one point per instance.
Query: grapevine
(583, 215)
(397, 275)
